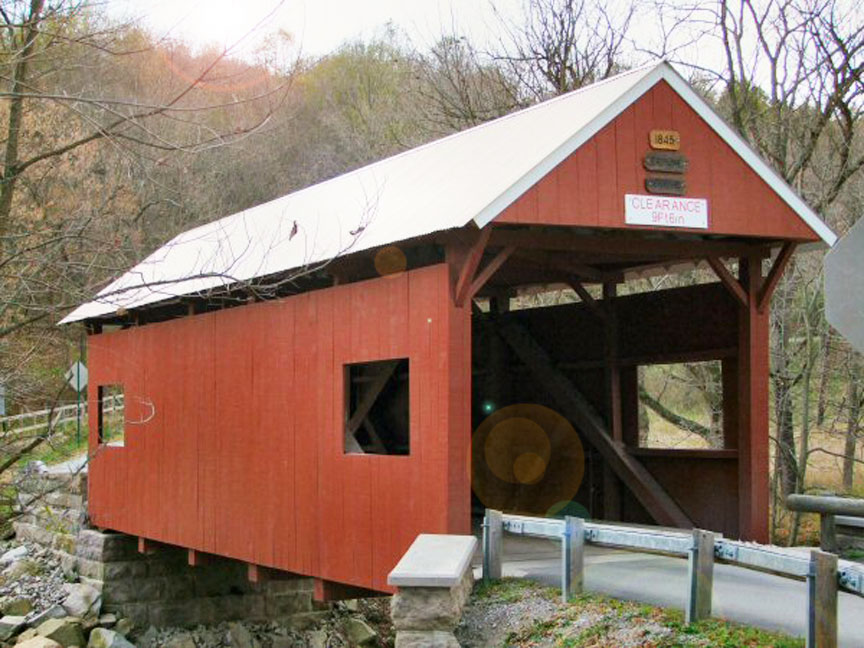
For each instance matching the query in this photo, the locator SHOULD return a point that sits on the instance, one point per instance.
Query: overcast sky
(317, 25)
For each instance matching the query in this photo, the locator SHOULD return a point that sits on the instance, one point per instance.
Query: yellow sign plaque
(665, 140)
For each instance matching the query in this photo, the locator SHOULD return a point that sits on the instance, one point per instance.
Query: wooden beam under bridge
(576, 407)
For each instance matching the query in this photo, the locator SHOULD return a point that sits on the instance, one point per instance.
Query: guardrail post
(572, 557)
(493, 532)
(828, 533)
(700, 569)
(822, 600)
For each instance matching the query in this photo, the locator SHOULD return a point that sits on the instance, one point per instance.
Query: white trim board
(665, 72)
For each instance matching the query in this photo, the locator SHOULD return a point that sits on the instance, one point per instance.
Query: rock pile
(42, 608)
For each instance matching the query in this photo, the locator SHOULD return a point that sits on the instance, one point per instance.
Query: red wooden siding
(588, 188)
(242, 455)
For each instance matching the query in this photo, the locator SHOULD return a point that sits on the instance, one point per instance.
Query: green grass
(591, 621)
(63, 445)
(510, 590)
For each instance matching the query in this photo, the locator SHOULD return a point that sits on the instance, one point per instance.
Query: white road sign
(844, 286)
(77, 376)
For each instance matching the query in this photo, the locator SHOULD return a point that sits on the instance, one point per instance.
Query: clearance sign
(666, 211)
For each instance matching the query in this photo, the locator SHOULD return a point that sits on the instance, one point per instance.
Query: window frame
(100, 416)
(347, 398)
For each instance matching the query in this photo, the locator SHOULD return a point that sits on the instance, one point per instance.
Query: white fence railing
(51, 417)
(822, 572)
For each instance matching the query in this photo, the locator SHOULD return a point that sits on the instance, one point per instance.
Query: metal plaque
(665, 140)
(668, 186)
(666, 161)
(844, 289)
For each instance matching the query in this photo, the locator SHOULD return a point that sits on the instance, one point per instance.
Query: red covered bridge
(298, 376)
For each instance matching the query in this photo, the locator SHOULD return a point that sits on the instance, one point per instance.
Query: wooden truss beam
(624, 246)
(470, 265)
(576, 407)
(581, 270)
(774, 275)
(731, 283)
(365, 405)
(486, 273)
(586, 297)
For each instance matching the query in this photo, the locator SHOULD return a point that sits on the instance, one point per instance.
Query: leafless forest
(114, 139)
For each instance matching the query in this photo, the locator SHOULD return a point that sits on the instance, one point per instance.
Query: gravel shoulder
(518, 613)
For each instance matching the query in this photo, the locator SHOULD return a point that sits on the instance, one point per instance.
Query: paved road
(742, 595)
(70, 466)
(75, 464)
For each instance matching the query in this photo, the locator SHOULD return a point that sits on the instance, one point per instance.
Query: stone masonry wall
(53, 511)
(157, 588)
(162, 589)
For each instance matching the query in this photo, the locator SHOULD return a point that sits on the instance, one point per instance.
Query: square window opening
(681, 406)
(376, 408)
(112, 414)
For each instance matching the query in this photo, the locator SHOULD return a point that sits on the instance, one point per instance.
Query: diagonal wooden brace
(774, 275)
(576, 407)
(731, 283)
(469, 267)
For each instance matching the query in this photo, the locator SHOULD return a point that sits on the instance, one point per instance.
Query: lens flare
(527, 458)
(390, 260)
(509, 440)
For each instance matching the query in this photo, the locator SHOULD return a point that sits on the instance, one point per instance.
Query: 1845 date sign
(665, 140)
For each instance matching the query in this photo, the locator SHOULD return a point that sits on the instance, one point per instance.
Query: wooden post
(753, 328)
(828, 533)
(700, 569)
(573, 557)
(493, 535)
(196, 558)
(256, 573)
(729, 375)
(146, 546)
(611, 485)
(496, 382)
(822, 600)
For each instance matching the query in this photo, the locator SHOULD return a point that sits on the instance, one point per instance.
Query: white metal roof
(471, 175)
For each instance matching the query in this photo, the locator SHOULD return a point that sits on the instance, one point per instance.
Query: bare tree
(561, 45)
(92, 112)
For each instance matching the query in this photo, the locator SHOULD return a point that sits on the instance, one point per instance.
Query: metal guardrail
(823, 574)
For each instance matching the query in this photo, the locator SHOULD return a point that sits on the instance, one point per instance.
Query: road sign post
(77, 379)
